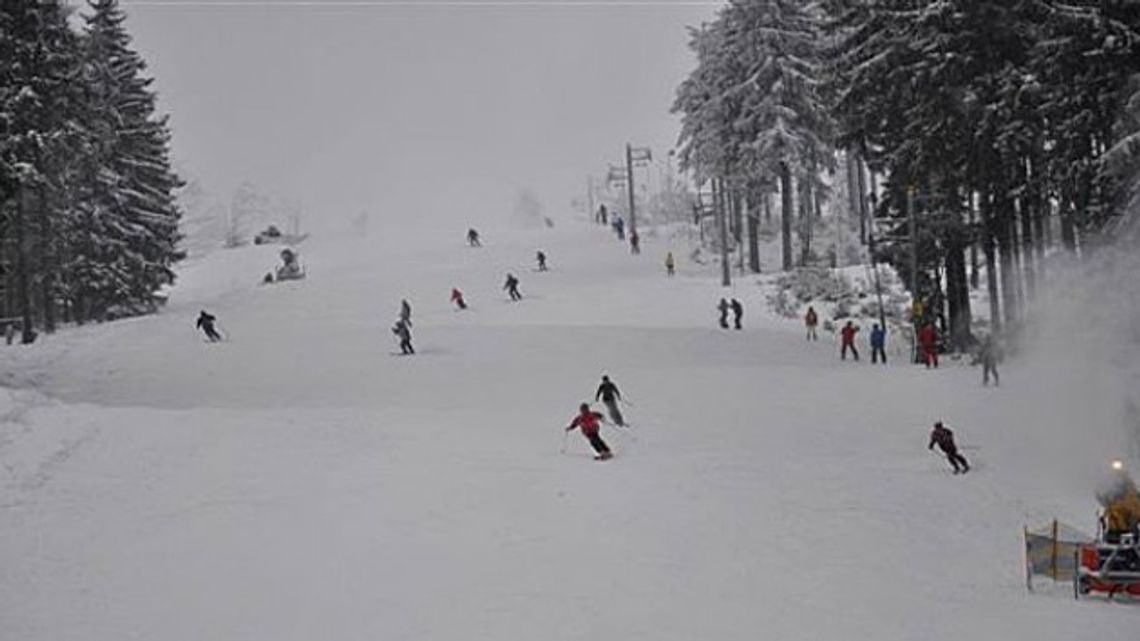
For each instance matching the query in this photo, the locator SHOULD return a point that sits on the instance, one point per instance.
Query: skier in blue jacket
(878, 344)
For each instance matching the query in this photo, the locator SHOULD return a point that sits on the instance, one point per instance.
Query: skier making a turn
(206, 324)
(944, 439)
(588, 421)
(609, 395)
(512, 287)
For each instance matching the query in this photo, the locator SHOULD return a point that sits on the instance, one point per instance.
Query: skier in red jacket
(847, 335)
(944, 439)
(928, 340)
(588, 421)
(457, 298)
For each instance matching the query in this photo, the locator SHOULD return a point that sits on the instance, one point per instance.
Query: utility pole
(640, 157)
(913, 229)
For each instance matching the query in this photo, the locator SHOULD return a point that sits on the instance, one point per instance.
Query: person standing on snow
(512, 287)
(404, 332)
(457, 298)
(603, 215)
(206, 324)
(737, 313)
(588, 422)
(847, 338)
(723, 307)
(669, 264)
(989, 356)
(878, 344)
(619, 227)
(811, 321)
(473, 238)
(609, 395)
(541, 258)
(928, 341)
(944, 439)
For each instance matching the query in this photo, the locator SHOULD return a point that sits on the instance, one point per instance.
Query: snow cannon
(1112, 564)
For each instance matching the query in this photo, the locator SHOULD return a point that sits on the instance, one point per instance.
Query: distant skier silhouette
(512, 287)
(206, 324)
(457, 298)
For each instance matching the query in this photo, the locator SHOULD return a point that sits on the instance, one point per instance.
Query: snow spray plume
(1082, 356)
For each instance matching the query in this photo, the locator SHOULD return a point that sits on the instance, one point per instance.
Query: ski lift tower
(634, 157)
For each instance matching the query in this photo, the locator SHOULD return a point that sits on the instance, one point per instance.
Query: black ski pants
(846, 346)
(987, 369)
(598, 444)
(957, 461)
(878, 352)
(406, 347)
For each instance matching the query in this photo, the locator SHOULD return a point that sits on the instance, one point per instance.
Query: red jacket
(588, 423)
(848, 334)
(927, 337)
(456, 295)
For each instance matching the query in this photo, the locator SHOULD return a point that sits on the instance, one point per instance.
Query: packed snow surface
(299, 481)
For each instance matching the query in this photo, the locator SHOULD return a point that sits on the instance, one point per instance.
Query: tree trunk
(1029, 270)
(47, 267)
(861, 196)
(988, 247)
(753, 236)
(23, 285)
(1003, 217)
(806, 220)
(722, 220)
(958, 293)
(975, 269)
(787, 214)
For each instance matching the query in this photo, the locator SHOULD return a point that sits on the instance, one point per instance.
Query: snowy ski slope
(299, 482)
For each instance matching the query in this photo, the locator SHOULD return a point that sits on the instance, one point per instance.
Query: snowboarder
(811, 321)
(609, 395)
(878, 344)
(473, 238)
(634, 243)
(669, 264)
(541, 257)
(206, 324)
(847, 337)
(928, 341)
(512, 287)
(723, 307)
(457, 298)
(944, 439)
(406, 312)
(404, 332)
(989, 356)
(737, 313)
(588, 421)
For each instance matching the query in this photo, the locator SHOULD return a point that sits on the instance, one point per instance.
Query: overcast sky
(433, 109)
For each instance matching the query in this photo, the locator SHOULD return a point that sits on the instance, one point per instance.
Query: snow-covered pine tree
(752, 108)
(40, 100)
(131, 203)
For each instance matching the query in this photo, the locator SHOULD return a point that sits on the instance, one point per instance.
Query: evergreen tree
(131, 217)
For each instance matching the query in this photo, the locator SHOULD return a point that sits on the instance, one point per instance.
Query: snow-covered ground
(300, 482)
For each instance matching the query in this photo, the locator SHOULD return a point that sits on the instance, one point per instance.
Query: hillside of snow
(299, 481)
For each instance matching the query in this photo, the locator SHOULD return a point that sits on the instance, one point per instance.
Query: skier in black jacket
(609, 395)
(206, 324)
